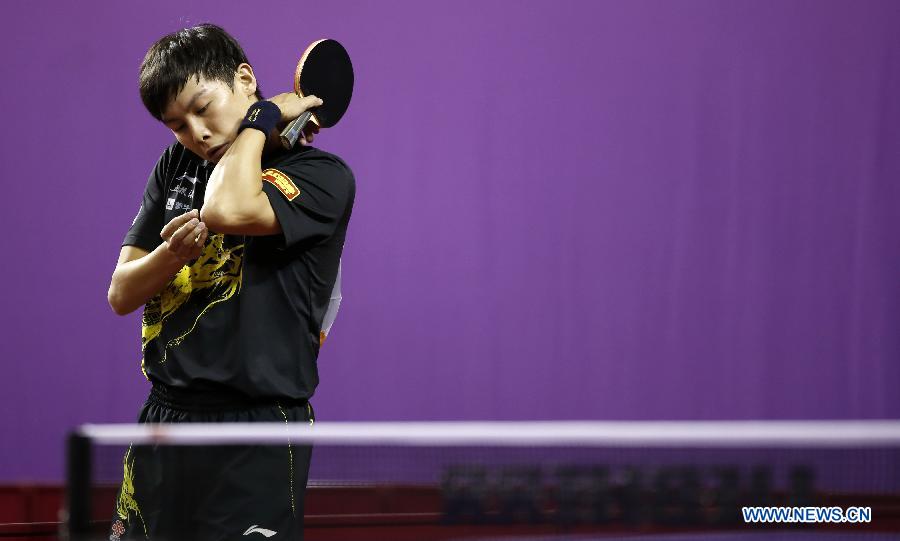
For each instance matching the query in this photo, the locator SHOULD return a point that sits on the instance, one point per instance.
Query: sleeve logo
(283, 182)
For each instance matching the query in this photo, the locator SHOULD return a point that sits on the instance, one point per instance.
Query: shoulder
(312, 164)
(317, 170)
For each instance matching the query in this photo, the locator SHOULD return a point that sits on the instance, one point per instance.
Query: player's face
(206, 114)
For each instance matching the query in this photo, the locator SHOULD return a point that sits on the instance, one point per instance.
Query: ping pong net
(679, 480)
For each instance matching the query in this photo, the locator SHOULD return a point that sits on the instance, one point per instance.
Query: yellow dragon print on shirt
(126, 502)
(217, 269)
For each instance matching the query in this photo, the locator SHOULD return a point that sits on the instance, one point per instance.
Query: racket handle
(290, 134)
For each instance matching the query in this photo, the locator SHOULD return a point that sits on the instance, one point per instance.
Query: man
(234, 254)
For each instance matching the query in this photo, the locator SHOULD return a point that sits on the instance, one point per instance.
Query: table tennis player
(233, 256)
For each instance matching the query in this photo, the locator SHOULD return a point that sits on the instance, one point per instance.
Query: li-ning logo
(257, 529)
(254, 114)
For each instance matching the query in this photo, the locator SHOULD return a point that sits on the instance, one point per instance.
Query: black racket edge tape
(325, 71)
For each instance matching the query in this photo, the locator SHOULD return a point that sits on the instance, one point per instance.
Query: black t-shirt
(246, 315)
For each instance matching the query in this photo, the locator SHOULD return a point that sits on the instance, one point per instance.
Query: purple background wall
(565, 210)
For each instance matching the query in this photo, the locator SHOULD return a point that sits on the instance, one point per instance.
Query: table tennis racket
(325, 71)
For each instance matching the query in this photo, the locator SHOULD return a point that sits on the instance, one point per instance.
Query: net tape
(716, 434)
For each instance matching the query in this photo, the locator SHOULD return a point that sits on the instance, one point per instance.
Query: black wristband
(263, 116)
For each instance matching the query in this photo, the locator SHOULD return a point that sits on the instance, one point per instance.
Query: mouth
(216, 152)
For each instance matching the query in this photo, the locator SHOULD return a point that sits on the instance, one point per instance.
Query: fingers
(292, 105)
(309, 102)
(199, 241)
(309, 133)
(188, 240)
(177, 222)
(194, 236)
(185, 235)
(180, 236)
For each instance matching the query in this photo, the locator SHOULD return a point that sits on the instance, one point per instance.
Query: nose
(199, 132)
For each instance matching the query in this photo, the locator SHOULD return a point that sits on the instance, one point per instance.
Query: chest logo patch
(283, 182)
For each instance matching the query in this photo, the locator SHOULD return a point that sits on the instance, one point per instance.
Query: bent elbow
(214, 217)
(116, 302)
(229, 220)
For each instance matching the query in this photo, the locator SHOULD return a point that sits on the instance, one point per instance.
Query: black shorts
(173, 493)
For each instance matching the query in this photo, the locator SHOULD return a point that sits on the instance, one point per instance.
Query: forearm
(235, 182)
(135, 282)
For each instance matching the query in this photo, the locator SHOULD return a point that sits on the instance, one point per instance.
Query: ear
(245, 80)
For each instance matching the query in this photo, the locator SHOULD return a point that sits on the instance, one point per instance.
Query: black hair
(204, 50)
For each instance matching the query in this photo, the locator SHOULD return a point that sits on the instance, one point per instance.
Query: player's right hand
(292, 105)
(185, 236)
